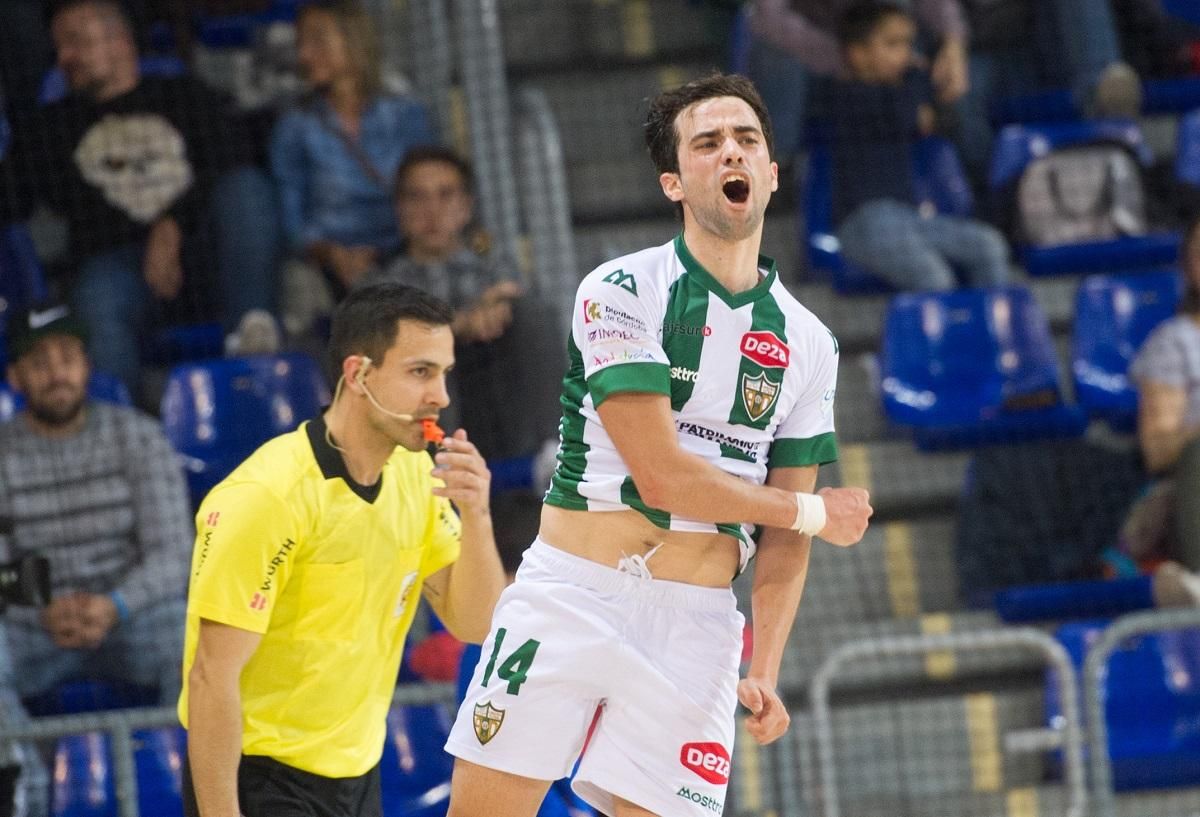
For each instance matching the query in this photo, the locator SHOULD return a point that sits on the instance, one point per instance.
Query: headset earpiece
(362, 370)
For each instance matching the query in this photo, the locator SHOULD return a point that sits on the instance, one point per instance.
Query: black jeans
(268, 788)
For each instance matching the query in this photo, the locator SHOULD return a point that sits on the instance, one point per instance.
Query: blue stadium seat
(217, 412)
(973, 367)
(939, 179)
(21, 278)
(1187, 149)
(414, 772)
(238, 30)
(1153, 703)
(1019, 145)
(84, 785)
(101, 386)
(1113, 316)
(1187, 10)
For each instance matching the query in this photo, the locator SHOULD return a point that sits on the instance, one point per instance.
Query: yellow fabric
(286, 549)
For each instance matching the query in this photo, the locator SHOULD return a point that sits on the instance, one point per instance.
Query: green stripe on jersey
(683, 335)
(631, 498)
(641, 377)
(572, 451)
(758, 387)
(818, 450)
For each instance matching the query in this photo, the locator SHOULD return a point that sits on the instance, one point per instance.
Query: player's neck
(733, 263)
(363, 449)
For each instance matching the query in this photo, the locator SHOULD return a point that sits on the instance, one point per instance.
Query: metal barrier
(1095, 670)
(1070, 737)
(547, 205)
(121, 723)
(433, 60)
(485, 89)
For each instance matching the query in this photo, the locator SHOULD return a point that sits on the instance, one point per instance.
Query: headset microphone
(360, 379)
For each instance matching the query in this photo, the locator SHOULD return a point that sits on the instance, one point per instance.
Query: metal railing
(1095, 676)
(433, 59)
(485, 92)
(1070, 737)
(121, 723)
(546, 204)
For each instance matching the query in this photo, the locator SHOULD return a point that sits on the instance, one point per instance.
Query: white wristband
(810, 514)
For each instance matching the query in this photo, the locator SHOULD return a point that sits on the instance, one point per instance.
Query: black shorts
(268, 788)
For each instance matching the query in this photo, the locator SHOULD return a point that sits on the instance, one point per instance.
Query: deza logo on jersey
(709, 760)
(766, 349)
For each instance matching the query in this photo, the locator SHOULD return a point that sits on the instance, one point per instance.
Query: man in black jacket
(143, 169)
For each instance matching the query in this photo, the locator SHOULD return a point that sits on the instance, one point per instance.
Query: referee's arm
(464, 593)
(215, 715)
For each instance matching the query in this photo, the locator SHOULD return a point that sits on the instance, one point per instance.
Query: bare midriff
(703, 559)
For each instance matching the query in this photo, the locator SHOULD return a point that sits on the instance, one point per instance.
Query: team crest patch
(759, 394)
(488, 720)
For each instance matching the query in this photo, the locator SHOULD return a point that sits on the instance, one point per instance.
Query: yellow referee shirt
(330, 572)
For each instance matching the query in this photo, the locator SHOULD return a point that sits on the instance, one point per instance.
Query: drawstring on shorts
(635, 565)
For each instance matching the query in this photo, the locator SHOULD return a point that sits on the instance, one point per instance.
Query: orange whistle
(432, 432)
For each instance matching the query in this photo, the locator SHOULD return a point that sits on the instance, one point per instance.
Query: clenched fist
(846, 513)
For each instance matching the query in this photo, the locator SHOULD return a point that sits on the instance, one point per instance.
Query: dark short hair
(421, 154)
(662, 136)
(367, 320)
(861, 20)
(114, 7)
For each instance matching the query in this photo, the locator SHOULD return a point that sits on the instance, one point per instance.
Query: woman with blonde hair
(336, 154)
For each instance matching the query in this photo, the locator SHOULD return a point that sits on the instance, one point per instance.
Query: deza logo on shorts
(766, 349)
(709, 760)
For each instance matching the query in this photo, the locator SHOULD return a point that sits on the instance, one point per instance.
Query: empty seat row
(975, 366)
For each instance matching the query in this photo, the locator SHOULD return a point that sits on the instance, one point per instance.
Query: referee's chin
(411, 440)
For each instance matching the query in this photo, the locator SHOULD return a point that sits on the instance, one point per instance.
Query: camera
(24, 581)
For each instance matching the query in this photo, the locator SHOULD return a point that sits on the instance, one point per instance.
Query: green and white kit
(751, 378)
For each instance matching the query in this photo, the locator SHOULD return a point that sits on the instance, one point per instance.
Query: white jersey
(751, 378)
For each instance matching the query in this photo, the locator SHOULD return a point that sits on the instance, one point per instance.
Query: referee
(309, 561)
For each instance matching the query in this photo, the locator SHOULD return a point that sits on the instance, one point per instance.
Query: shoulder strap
(360, 156)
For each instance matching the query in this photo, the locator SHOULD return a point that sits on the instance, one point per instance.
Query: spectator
(335, 156)
(1166, 522)
(1022, 46)
(96, 489)
(503, 345)
(795, 41)
(147, 173)
(876, 117)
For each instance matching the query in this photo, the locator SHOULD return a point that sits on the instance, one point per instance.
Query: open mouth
(737, 190)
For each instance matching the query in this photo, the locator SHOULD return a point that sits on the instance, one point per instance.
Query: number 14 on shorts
(515, 668)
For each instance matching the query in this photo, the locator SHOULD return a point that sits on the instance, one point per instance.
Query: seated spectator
(1165, 524)
(876, 117)
(506, 372)
(795, 42)
(335, 157)
(1019, 47)
(148, 173)
(97, 490)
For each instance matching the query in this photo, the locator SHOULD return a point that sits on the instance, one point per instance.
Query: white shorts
(653, 663)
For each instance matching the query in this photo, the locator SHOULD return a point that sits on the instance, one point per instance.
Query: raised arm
(464, 592)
